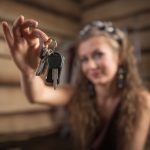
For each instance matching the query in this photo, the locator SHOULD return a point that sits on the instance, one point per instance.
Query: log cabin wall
(62, 20)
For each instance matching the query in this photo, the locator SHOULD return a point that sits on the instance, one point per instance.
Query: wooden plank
(144, 69)
(23, 126)
(115, 9)
(66, 7)
(47, 21)
(1, 32)
(89, 2)
(4, 51)
(136, 22)
(8, 72)
(12, 100)
(144, 65)
(142, 38)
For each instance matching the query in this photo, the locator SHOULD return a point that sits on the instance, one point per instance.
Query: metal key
(43, 52)
(55, 61)
(42, 65)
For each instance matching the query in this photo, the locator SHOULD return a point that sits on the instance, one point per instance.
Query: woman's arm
(24, 41)
(37, 92)
(142, 130)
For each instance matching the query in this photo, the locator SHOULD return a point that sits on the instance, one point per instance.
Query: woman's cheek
(83, 68)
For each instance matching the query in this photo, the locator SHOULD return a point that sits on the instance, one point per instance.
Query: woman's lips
(95, 74)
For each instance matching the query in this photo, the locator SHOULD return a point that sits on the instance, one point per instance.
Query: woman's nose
(92, 64)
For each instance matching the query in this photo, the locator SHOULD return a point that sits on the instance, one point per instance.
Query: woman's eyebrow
(82, 56)
(97, 50)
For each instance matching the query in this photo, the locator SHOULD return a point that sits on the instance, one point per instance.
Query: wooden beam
(24, 126)
(8, 72)
(141, 38)
(64, 8)
(135, 22)
(115, 9)
(54, 24)
(4, 52)
(88, 4)
(144, 65)
(12, 100)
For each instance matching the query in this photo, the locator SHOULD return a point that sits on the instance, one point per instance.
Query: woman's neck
(106, 100)
(105, 93)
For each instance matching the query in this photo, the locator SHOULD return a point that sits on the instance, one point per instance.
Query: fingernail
(36, 24)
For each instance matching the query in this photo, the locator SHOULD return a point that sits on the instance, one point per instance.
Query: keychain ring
(55, 43)
(50, 42)
(46, 43)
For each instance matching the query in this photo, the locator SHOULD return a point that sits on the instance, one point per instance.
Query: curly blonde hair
(84, 116)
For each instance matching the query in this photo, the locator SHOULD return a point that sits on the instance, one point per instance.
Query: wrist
(28, 75)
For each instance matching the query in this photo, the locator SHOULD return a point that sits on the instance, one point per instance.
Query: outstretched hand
(24, 40)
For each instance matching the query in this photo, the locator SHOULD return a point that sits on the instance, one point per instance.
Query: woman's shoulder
(145, 98)
(144, 123)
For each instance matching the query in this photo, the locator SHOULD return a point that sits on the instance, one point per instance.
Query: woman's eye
(83, 60)
(98, 55)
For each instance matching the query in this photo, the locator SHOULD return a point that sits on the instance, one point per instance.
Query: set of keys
(52, 62)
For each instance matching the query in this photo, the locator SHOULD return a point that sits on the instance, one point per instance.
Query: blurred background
(24, 126)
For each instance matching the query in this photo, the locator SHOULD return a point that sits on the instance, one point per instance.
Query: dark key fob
(54, 61)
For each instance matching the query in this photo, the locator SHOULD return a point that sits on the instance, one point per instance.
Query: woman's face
(99, 61)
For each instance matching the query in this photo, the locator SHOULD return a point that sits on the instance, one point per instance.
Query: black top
(107, 139)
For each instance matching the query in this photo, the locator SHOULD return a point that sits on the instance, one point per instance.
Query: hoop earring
(121, 77)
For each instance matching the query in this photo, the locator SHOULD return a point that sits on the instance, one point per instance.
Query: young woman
(109, 108)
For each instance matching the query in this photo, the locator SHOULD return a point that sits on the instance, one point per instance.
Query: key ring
(46, 43)
(49, 43)
(55, 43)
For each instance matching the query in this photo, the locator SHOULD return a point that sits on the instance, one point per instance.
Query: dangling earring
(121, 77)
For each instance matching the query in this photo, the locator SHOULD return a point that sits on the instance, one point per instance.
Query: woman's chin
(100, 81)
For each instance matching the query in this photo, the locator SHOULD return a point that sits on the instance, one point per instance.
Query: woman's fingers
(46, 43)
(16, 28)
(27, 27)
(29, 23)
(40, 39)
(40, 34)
(8, 34)
(43, 38)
